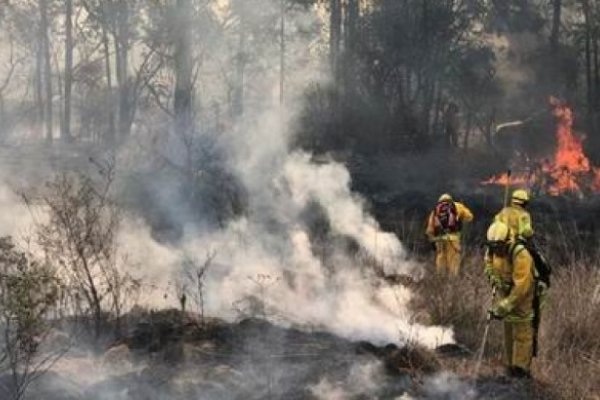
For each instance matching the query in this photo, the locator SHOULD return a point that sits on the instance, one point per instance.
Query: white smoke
(446, 385)
(268, 254)
(329, 185)
(363, 380)
(16, 218)
(293, 284)
(511, 51)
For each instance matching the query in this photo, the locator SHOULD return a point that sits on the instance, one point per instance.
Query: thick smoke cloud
(268, 253)
(296, 286)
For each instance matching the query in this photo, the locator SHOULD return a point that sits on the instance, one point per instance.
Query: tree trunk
(347, 66)
(335, 36)
(282, 51)
(111, 134)
(468, 130)
(47, 70)
(61, 99)
(122, 38)
(238, 91)
(335, 32)
(68, 80)
(351, 24)
(489, 131)
(588, 61)
(183, 69)
(596, 73)
(555, 32)
(595, 140)
(438, 108)
(428, 105)
(39, 83)
(3, 129)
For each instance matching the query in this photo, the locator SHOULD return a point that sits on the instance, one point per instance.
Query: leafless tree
(194, 274)
(81, 237)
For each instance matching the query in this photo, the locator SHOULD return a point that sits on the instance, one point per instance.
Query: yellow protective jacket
(464, 215)
(517, 219)
(513, 276)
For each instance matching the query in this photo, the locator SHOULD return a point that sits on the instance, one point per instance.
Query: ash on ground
(169, 355)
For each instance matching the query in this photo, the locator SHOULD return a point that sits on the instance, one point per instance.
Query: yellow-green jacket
(517, 219)
(515, 282)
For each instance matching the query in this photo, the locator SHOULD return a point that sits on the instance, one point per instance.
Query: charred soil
(173, 355)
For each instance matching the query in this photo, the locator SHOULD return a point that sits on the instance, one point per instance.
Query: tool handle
(490, 316)
(507, 187)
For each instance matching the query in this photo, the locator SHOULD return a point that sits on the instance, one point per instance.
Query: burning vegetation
(224, 199)
(568, 171)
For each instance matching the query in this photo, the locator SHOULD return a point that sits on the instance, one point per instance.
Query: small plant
(252, 306)
(29, 294)
(194, 275)
(263, 282)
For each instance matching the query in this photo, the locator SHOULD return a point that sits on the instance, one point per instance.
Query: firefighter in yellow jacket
(516, 215)
(444, 226)
(510, 269)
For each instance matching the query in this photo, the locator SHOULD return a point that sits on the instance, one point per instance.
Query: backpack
(445, 218)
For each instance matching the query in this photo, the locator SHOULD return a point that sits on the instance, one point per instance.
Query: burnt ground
(165, 356)
(170, 357)
(401, 191)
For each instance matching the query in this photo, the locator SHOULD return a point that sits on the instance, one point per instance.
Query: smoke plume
(267, 256)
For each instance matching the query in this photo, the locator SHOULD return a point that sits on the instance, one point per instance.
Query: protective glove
(492, 277)
(501, 309)
(495, 280)
(492, 314)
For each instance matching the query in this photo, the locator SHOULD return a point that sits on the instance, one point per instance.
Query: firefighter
(444, 226)
(510, 269)
(516, 215)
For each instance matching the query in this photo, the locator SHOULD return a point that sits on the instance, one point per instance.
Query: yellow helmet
(520, 197)
(498, 232)
(445, 197)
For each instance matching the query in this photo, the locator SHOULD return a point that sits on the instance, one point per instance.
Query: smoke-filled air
(299, 199)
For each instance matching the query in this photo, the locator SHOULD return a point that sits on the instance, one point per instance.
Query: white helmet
(498, 232)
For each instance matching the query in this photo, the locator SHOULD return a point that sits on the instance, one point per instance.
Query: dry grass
(568, 365)
(460, 302)
(569, 356)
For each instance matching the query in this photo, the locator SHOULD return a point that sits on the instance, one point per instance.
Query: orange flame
(569, 171)
(503, 180)
(569, 153)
